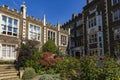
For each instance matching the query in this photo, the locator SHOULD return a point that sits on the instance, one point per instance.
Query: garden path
(36, 78)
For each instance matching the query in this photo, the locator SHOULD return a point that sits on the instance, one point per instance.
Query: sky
(55, 10)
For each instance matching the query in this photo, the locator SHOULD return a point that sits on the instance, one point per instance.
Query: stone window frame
(53, 37)
(13, 34)
(79, 22)
(93, 37)
(116, 33)
(37, 33)
(61, 42)
(112, 2)
(92, 22)
(10, 52)
(116, 15)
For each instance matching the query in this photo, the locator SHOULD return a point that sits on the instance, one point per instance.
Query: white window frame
(10, 52)
(13, 18)
(52, 36)
(33, 31)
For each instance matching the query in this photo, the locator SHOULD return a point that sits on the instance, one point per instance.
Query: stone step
(12, 79)
(9, 78)
(8, 72)
(7, 67)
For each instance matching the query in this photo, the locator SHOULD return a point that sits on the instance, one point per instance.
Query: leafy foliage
(26, 52)
(69, 69)
(29, 56)
(49, 77)
(50, 46)
(94, 69)
(49, 59)
(29, 73)
(86, 68)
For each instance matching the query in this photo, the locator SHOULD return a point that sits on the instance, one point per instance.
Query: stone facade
(17, 27)
(101, 28)
(75, 27)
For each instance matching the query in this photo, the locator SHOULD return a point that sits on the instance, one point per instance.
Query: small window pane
(4, 50)
(9, 29)
(15, 23)
(31, 27)
(35, 28)
(38, 36)
(15, 30)
(10, 21)
(4, 19)
(38, 30)
(119, 13)
(4, 28)
(95, 22)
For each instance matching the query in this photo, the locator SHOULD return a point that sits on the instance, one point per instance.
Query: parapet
(6, 8)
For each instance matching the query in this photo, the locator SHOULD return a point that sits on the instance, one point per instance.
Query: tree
(50, 46)
(27, 52)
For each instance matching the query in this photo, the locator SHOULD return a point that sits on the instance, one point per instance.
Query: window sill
(9, 35)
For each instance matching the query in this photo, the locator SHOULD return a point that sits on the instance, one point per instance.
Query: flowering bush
(49, 59)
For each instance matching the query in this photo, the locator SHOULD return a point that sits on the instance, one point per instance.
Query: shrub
(29, 73)
(29, 56)
(50, 46)
(50, 77)
(94, 69)
(49, 59)
(69, 69)
(26, 52)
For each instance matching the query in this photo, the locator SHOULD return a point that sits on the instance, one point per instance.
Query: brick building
(100, 28)
(75, 25)
(18, 27)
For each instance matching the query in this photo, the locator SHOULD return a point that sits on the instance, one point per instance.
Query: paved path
(36, 78)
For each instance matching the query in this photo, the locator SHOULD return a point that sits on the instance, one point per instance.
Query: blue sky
(55, 10)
